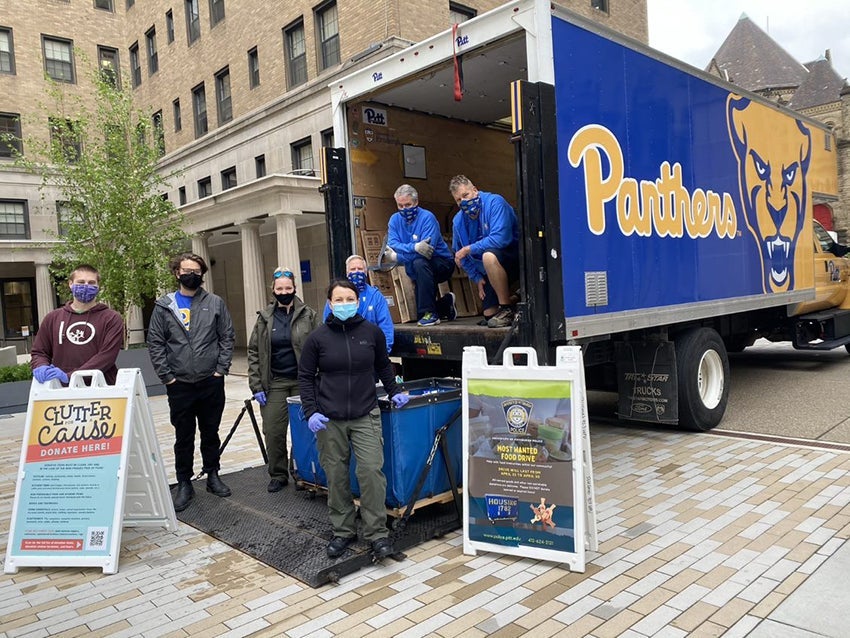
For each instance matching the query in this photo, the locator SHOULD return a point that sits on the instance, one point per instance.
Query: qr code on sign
(96, 537)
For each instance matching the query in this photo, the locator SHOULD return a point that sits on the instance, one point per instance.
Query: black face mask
(285, 299)
(191, 281)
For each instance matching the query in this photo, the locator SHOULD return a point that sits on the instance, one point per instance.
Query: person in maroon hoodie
(81, 335)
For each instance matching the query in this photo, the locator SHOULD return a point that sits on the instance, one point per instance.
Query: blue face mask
(358, 278)
(344, 311)
(84, 293)
(471, 207)
(409, 214)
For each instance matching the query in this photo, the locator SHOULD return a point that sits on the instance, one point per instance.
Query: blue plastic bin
(408, 437)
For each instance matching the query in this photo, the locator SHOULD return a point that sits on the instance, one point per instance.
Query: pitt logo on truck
(773, 154)
(662, 206)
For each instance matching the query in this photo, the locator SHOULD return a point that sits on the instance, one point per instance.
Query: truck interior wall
(450, 147)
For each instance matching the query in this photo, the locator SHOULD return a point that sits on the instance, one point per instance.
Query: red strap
(458, 72)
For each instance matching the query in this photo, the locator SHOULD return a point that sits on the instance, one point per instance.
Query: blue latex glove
(260, 397)
(317, 422)
(40, 373)
(43, 374)
(400, 400)
(58, 373)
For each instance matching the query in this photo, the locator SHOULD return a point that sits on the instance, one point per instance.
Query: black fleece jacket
(337, 368)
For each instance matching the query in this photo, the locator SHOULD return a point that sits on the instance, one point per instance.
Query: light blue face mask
(409, 214)
(344, 311)
(471, 207)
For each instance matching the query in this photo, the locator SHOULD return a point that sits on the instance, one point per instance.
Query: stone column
(135, 326)
(45, 296)
(288, 254)
(252, 272)
(200, 246)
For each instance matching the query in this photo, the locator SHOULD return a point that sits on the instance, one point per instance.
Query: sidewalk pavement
(700, 534)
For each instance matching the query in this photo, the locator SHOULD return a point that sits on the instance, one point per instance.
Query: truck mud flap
(646, 381)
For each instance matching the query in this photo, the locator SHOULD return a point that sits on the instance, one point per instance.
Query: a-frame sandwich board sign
(527, 471)
(90, 464)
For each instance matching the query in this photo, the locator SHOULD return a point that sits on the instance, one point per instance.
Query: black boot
(216, 485)
(183, 495)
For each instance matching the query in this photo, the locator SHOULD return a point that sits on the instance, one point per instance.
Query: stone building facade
(239, 90)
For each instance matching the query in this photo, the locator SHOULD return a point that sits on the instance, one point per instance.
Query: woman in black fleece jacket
(336, 377)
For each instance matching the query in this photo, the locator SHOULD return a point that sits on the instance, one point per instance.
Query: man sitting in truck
(414, 239)
(372, 305)
(486, 244)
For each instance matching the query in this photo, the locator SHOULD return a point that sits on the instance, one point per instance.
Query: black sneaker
(276, 485)
(382, 548)
(338, 544)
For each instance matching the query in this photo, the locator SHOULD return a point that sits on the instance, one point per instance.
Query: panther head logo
(773, 154)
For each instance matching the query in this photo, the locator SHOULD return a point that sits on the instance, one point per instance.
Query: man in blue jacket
(372, 305)
(414, 236)
(486, 244)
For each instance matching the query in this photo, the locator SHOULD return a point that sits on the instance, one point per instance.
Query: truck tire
(703, 373)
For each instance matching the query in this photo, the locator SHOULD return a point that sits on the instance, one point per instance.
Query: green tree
(101, 158)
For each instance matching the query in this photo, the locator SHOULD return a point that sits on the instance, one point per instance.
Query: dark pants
(201, 402)
(427, 274)
(275, 424)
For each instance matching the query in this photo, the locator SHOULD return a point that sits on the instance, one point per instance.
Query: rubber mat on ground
(289, 530)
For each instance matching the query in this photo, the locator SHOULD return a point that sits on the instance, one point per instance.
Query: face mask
(343, 311)
(358, 278)
(84, 293)
(191, 281)
(409, 214)
(471, 207)
(285, 298)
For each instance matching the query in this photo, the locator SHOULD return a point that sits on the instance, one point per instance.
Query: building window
(459, 13)
(328, 138)
(222, 96)
(153, 57)
(328, 32)
(64, 216)
(103, 4)
(599, 5)
(302, 157)
(178, 116)
(58, 58)
(10, 135)
(7, 51)
(228, 178)
(158, 133)
(14, 223)
(181, 195)
(18, 307)
(216, 12)
(296, 54)
(135, 65)
(199, 108)
(204, 187)
(169, 26)
(193, 21)
(253, 68)
(260, 165)
(107, 59)
(65, 139)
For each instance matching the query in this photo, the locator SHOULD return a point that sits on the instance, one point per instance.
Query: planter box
(14, 396)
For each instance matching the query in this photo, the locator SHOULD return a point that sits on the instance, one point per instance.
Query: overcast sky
(693, 30)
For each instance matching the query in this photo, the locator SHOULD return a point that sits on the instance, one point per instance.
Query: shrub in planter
(19, 372)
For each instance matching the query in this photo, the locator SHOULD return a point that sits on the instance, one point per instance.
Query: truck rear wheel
(703, 372)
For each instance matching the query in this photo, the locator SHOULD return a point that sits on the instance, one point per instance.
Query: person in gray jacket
(190, 340)
(273, 353)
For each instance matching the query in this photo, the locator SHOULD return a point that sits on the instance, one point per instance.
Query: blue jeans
(427, 274)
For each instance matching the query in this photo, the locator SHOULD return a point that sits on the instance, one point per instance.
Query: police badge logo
(517, 413)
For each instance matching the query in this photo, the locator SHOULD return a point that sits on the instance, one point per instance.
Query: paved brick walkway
(700, 534)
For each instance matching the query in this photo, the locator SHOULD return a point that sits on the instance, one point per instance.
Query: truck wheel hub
(710, 379)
